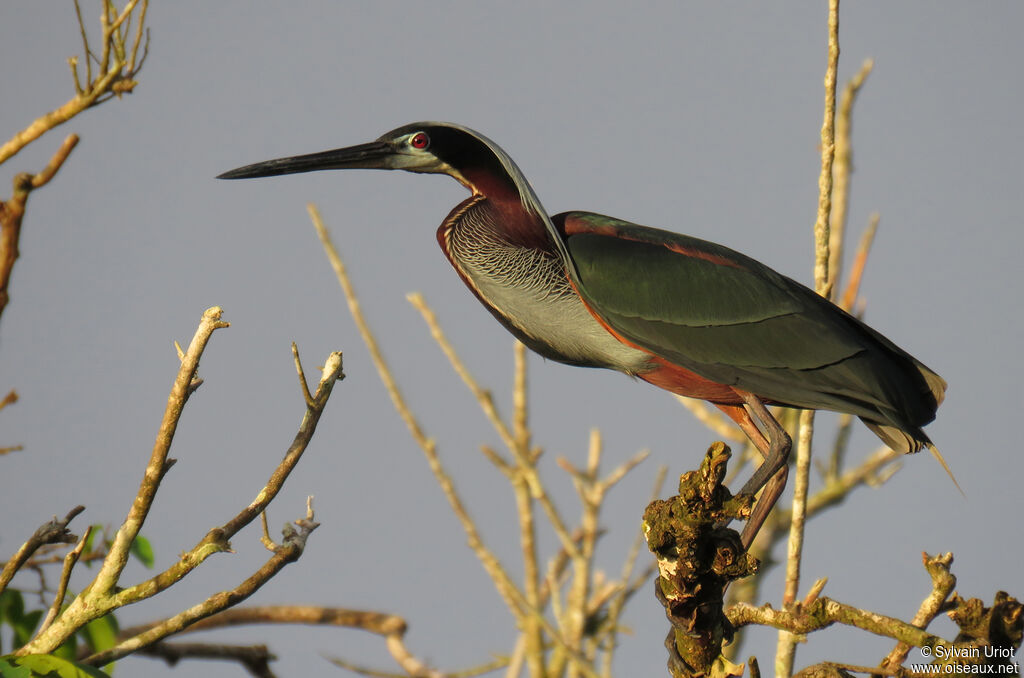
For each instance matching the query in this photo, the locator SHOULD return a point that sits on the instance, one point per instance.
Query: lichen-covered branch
(288, 551)
(96, 600)
(104, 595)
(696, 561)
(821, 613)
(943, 583)
(823, 283)
(988, 635)
(842, 174)
(70, 560)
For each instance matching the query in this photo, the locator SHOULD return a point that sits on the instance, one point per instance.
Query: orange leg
(775, 447)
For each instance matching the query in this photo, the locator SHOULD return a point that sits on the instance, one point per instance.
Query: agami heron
(686, 315)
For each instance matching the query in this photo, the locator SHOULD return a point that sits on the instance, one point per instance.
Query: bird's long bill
(373, 155)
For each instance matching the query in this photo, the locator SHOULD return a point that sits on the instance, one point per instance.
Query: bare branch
(712, 418)
(289, 551)
(303, 384)
(482, 395)
(518, 602)
(618, 603)
(859, 262)
(65, 576)
(943, 583)
(12, 213)
(255, 658)
(798, 516)
(502, 580)
(828, 149)
(110, 572)
(525, 466)
(52, 532)
(822, 285)
(391, 627)
(116, 76)
(843, 173)
(98, 599)
(824, 612)
(217, 539)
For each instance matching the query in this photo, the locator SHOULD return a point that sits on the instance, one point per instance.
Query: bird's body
(684, 314)
(525, 286)
(689, 316)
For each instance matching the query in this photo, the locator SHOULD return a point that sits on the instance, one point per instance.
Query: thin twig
(12, 212)
(799, 511)
(842, 174)
(290, 550)
(786, 651)
(65, 576)
(524, 464)
(859, 262)
(514, 598)
(824, 612)
(713, 419)
(482, 395)
(114, 78)
(874, 471)
(312, 615)
(98, 598)
(52, 532)
(531, 626)
(254, 658)
(110, 572)
(502, 580)
(590, 492)
(618, 603)
(89, 56)
(821, 224)
(303, 384)
(943, 583)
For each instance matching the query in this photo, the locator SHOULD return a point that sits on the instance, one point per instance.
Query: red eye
(419, 140)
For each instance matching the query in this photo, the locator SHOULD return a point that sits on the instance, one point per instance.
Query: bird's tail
(938, 456)
(899, 440)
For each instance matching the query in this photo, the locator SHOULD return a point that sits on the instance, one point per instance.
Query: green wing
(735, 321)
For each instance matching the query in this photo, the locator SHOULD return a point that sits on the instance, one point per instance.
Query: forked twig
(52, 532)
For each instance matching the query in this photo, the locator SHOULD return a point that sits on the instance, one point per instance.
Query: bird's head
(472, 159)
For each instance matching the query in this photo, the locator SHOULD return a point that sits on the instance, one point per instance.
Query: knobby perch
(697, 558)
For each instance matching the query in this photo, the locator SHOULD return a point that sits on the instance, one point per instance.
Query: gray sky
(701, 118)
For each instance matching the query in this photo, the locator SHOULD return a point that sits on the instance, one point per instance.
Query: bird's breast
(524, 285)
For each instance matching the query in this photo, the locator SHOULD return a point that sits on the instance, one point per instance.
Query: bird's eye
(419, 141)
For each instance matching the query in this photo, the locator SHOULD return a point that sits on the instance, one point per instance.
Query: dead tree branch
(53, 532)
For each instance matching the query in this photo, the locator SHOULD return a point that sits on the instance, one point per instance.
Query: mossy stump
(697, 558)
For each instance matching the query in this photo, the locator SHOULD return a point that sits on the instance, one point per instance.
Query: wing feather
(735, 321)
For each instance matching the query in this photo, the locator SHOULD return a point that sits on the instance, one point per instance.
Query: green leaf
(45, 666)
(96, 529)
(12, 606)
(100, 634)
(24, 627)
(68, 649)
(143, 551)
